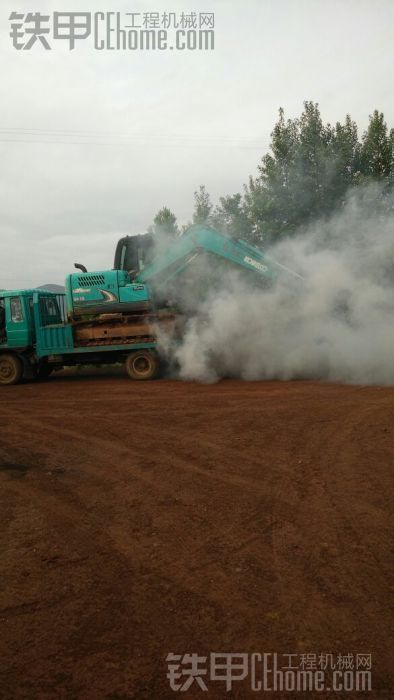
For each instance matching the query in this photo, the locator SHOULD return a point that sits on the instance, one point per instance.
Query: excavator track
(113, 329)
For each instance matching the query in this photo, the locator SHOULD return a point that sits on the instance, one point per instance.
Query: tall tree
(345, 161)
(377, 152)
(271, 198)
(202, 206)
(165, 222)
(305, 176)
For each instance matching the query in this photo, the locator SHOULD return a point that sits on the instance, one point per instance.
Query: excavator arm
(196, 241)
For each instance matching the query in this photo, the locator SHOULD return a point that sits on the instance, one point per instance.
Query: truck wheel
(142, 364)
(11, 369)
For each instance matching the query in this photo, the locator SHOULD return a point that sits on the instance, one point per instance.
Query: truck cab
(18, 329)
(16, 319)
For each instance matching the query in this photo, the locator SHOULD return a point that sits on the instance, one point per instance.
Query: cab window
(16, 310)
(51, 307)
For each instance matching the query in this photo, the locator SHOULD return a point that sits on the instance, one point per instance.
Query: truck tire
(11, 369)
(142, 365)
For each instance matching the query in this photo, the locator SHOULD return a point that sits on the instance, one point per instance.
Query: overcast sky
(116, 135)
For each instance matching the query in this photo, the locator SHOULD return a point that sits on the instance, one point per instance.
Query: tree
(165, 222)
(345, 160)
(230, 216)
(202, 206)
(298, 174)
(270, 197)
(377, 150)
(305, 176)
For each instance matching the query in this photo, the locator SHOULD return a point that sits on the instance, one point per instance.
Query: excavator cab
(133, 253)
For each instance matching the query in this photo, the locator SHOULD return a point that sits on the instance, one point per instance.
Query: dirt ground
(139, 519)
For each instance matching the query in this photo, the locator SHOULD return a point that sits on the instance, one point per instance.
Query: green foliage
(377, 150)
(165, 223)
(202, 206)
(231, 217)
(306, 176)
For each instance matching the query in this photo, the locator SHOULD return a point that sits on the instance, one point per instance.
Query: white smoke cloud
(337, 324)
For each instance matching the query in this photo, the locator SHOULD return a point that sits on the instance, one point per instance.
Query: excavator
(120, 315)
(146, 272)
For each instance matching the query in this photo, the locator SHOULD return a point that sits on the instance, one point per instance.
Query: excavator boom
(134, 253)
(204, 240)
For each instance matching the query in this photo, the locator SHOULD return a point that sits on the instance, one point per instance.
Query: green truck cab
(17, 329)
